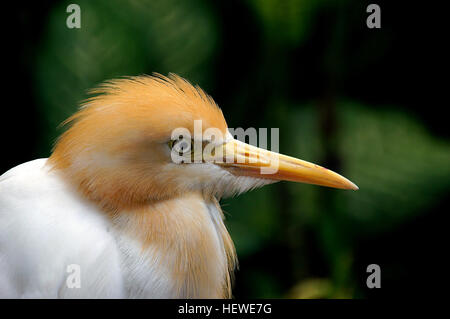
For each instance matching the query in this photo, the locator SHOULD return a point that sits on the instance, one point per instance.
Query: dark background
(367, 103)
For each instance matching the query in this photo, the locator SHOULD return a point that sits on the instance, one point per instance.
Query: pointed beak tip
(353, 186)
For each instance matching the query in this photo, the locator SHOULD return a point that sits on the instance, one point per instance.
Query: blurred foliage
(117, 40)
(292, 64)
(291, 16)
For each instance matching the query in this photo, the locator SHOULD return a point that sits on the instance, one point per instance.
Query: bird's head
(131, 143)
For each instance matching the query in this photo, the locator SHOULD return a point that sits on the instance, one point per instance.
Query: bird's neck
(183, 238)
(184, 242)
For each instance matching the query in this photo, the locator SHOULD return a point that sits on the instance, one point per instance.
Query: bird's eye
(181, 146)
(186, 150)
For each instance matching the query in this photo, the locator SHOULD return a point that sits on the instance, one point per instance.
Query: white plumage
(44, 228)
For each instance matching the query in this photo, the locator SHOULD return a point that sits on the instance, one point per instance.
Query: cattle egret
(110, 214)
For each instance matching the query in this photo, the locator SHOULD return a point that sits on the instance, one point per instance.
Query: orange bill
(247, 160)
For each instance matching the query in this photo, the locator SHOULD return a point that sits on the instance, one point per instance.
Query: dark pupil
(181, 146)
(184, 146)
